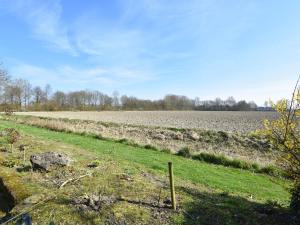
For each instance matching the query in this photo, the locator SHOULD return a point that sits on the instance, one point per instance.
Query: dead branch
(74, 180)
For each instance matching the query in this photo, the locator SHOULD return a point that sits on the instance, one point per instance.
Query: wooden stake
(158, 200)
(24, 156)
(172, 188)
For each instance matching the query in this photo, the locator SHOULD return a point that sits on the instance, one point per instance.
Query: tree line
(19, 94)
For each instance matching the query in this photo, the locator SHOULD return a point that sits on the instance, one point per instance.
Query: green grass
(239, 182)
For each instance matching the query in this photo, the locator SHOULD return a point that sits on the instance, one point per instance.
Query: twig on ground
(74, 179)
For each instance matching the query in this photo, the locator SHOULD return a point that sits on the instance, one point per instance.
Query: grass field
(207, 193)
(242, 122)
(218, 177)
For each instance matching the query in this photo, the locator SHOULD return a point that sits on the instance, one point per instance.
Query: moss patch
(12, 190)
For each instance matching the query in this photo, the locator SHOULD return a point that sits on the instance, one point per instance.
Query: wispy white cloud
(44, 19)
(68, 77)
(146, 31)
(33, 73)
(106, 41)
(104, 45)
(189, 43)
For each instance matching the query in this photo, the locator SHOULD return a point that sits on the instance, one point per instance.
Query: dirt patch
(242, 122)
(93, 202)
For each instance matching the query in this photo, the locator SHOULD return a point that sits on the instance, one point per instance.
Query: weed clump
(151, 147)
(271, 170)
(10, 162)
(223, 136)
(240, 164)
(94, 164)
(123, 141)
(184, 152)
(8, 112)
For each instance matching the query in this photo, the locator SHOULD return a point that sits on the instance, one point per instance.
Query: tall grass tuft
(184, 152)
(234, 163)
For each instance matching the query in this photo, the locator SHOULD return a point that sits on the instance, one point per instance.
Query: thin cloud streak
(182, 45)
(89, 77)
(44, 19)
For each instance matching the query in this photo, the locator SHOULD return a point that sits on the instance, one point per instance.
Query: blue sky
(249, 49)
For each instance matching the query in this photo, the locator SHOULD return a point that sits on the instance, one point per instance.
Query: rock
(193, 135)
(46, 161)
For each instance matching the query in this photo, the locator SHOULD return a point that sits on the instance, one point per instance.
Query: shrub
(255, 167)
(284, 134)
(150, 147)
(8, 112)
(223, 135)
(184, 152)
(9, 136)
(211, 158)
(241, 164)
(123, 140)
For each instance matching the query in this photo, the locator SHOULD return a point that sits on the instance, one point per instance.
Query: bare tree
(20, 94)
(116, 101)
(4, 79)
(38, 95)
(27, 93)
(60, 99)
(47, 92)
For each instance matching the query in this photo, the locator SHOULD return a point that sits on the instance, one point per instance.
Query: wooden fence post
(172, 188)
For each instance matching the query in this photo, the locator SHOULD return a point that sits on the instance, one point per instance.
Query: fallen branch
(74, 180)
